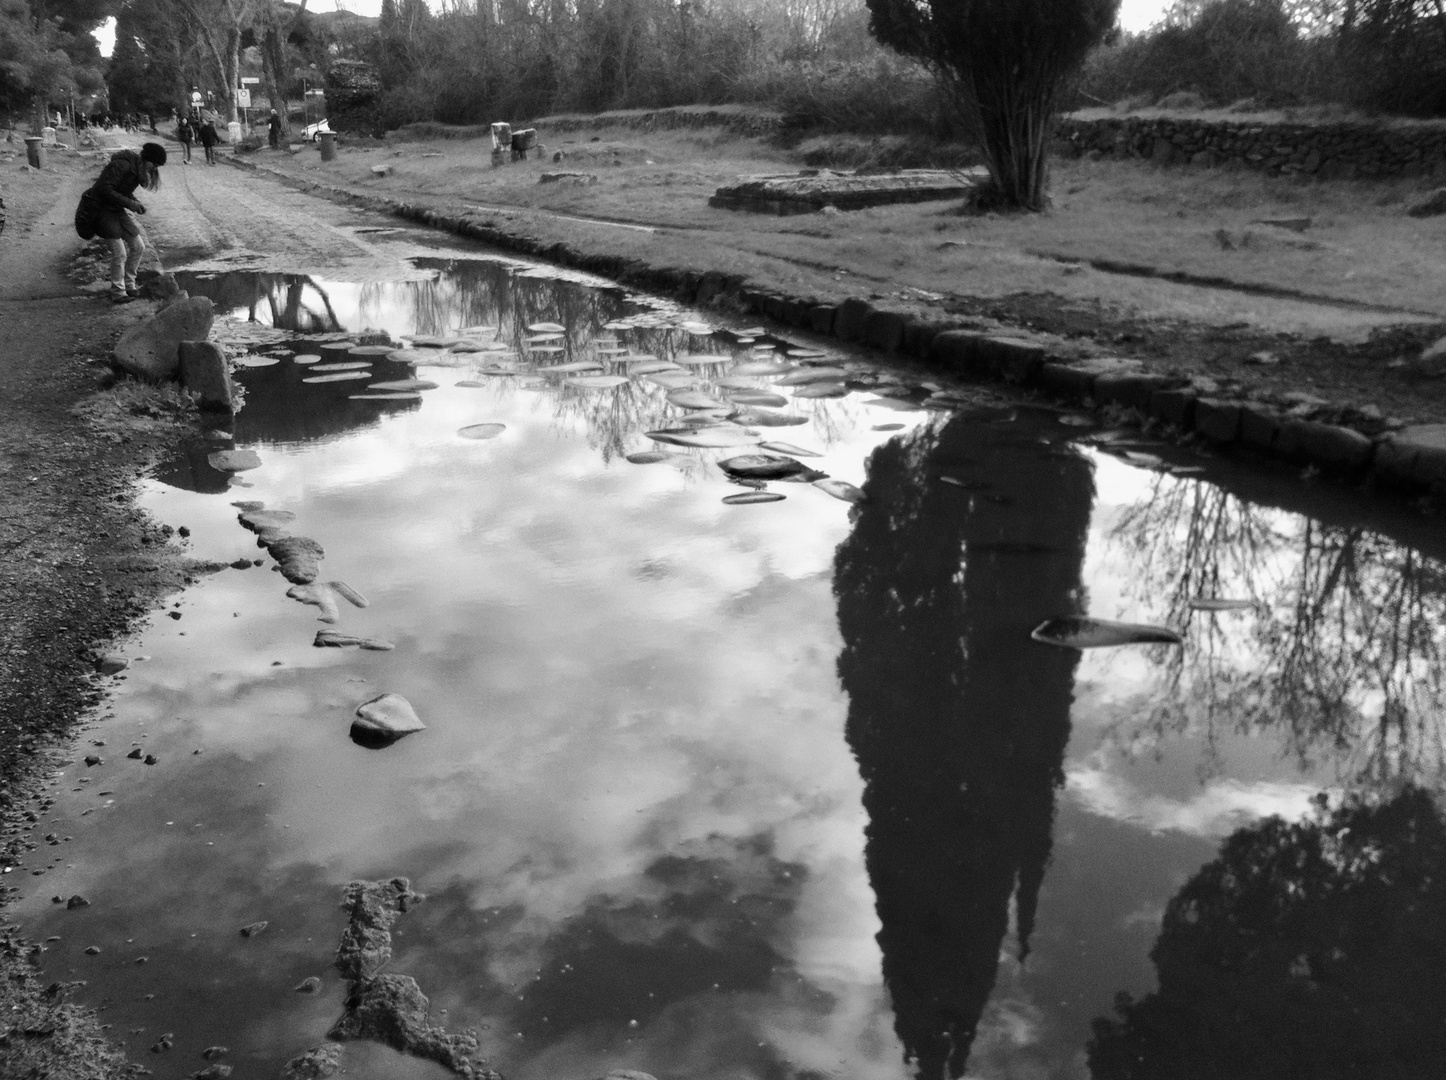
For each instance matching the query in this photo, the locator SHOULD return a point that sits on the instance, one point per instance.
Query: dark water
(770, 791)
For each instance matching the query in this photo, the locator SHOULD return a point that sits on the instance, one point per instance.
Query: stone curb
(1412, 460)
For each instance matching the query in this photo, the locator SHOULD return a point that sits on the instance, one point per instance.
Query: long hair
(153, 156)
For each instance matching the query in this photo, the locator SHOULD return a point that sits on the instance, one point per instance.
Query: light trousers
(125, 259)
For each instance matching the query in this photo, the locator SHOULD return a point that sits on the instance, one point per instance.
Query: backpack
(86, 213)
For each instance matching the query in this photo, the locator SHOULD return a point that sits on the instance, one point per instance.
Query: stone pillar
(35, 152)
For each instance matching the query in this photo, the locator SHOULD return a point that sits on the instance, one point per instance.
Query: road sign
(243, 98)
(249, 80)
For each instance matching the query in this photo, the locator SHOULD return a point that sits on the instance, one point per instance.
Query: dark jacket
(275, 125)
(118, 181)
(184, 131)
(208, 134)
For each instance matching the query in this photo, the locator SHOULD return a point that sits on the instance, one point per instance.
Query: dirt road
(80, 561)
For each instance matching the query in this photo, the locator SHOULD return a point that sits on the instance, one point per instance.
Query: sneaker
(121, 298)
(132, 291)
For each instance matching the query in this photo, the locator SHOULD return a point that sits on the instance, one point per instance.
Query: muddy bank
(81, 565)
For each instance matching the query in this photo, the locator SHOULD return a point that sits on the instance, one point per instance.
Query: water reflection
(958, 721)
(285, 301)
(1344, 655)
(1314, 949)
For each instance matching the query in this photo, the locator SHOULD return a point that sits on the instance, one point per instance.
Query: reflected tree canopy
(1345, 652)
(959, 721)
(1314, 949)
(289, 301)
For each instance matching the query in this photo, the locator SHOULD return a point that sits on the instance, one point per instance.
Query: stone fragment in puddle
(309, 985)
(762, 467)
(887, 427)
(383, 720)
(761, 398)
(748, 498)
(250, 930)
(805, 376)
(1082, 632)
(371, 907)
(653, 367)
(215, 1071)
(403, 384)
(841, 489)
(1220, 603)
(335, 639)
(262, 521)
(396, 395)
(597, 382)
(759, 368)
(748, 416)
(339, 376)
(317, 596)
(546, 328)
(482, 431)
(694, 399)
(150, 759)
(111, 664)
(672, 379)
(233, 460)
(137, 754)
(788, 448)
(391, 1009)
(821, 390)
(648, 457)
(718, 437)
(211, 1053)
(306, 358)
(76, 901)
(702, 359)
(345, 365)
(317, 1063)
(627, 1074)
(298, 557)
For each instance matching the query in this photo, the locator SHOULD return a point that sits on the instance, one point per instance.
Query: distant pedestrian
(186, 132)
(105, 211)
(274, 130)
(209, 139)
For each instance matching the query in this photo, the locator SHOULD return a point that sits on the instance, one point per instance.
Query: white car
(314, 130)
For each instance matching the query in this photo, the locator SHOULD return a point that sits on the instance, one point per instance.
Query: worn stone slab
(1132, 389)
(1174, 407)
(1415, 454)
(1217, 420)
(1259, 426)
(849, 321)
(204, 373)
(1016, 360)
(821, 317)
(1333, 446)
(884, 330)
(151, 350)
(811, 190)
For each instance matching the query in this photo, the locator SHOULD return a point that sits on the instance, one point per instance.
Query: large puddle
(767, 790)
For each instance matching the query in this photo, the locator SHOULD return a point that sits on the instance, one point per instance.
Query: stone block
(773, 306)
(1066, 380)
(203, 372)
(821, 318)
(1431, 364)
(885, 330)
(1017, 360)
(1334, 447)
(853, 313)
(1259, 426)
(1130, 388)
(795, 311)
(1414, 455)
(1218, 420)
(151, 350)
(1174, 407)
(919, 333)
(954, 350)
(710, 287)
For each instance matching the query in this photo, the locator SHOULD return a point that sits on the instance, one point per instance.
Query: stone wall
(1340, 151)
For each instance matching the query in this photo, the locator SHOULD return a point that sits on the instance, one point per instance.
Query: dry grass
(1360, 249)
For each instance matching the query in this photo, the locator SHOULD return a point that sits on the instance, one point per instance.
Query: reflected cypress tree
(1314, 949)
(959, 721)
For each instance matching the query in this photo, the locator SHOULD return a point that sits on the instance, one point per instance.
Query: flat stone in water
(402, 384)
(647, 457)
(256, 360)
(841, 489)
(672, 380)
(751, 417)
(762, 466)
(383, 720)
(1215, 603)
(893, 403)
(482, 431)
(233, 460)
(694, 399)
(412, 356)
(821, 390)
(344, 365)
(719, 437)
(788, 448)
(702, 359)
(758, 397)
(395, 395)
(546, 350)
(749, 497)
(546, 328)
(473, 384)
(762, 367)
(597, 382)
(371, 350)
(338, 346)
(804, 376)
(650, 367)
(338, 376)
(306, 358)
(570, 368)
(1082, 632)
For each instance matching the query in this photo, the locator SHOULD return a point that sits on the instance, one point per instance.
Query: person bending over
(107, 206)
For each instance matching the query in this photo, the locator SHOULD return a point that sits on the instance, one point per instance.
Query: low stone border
(1298, 428)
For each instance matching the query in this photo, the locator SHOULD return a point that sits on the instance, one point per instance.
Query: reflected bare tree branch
(1344, 652)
